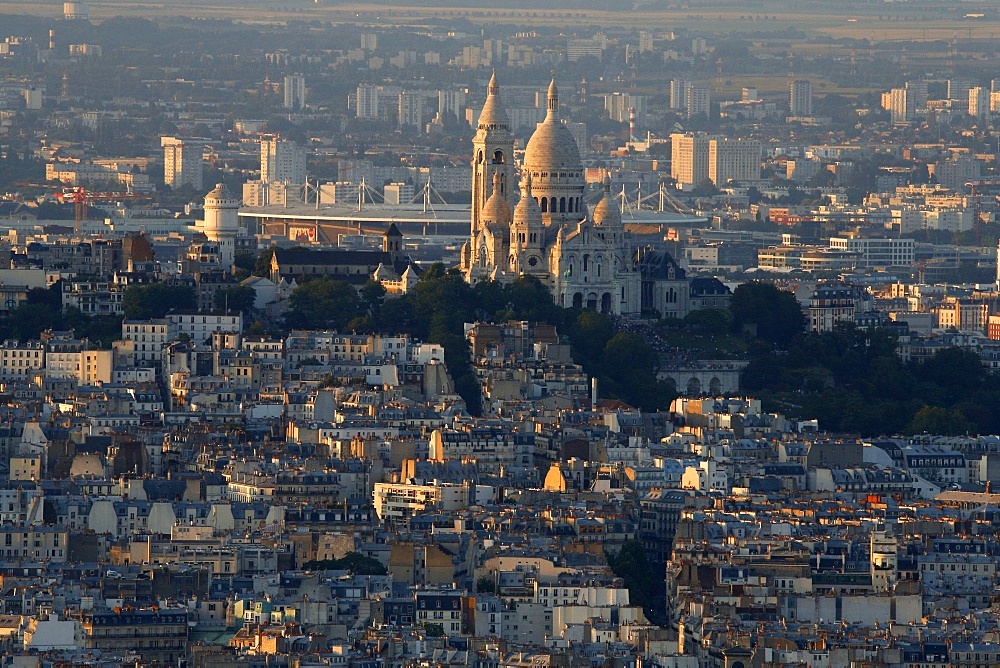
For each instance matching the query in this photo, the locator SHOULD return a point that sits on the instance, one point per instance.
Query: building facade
(801, 98)
(182, 164)
(295, 91)
(282, 160)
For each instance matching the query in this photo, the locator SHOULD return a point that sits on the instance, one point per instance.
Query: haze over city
(528, 334)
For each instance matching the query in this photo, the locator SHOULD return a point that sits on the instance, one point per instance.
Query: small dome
(527, 210)
(493, 113)
(496, 210)
(606, 212)
(552, 146)
(220, 193)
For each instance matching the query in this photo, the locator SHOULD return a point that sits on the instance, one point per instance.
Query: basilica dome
(552, 147)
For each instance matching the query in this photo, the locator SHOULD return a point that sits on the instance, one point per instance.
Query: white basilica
(545, 229)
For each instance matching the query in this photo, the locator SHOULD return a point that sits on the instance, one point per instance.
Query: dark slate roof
(164, 490)
(321, 257)
(708, 285)
(657, 265)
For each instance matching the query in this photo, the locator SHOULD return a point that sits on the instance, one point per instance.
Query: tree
(822, 179)
(322, 303)
(28, 321)
(710, 320)
(51, 296)
(532, 300)
(486, 584)
(766, 312)
(705, 189)
(589, 333)
(372, 295)
(354, 562)
(938, 420)
(143, 302)
(237, 298)
(956, 370)
(628, 369)
(246, 263)
(433, 629)
(632, 565)
(262, 267)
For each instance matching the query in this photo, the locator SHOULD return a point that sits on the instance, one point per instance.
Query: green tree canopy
(322, 303)
(155, 300)
(262, 267)
(354, 562)
(632, 565)
(628, 369)
(589, 333)
(237, 298)
(768, 313)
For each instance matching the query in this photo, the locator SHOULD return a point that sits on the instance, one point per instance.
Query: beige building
(72, 358)
(689, 159)
(149, 336)
(34, 543)
(182, 163)
(19, 361)
(27, 467)
(733, 160)
(397, 502)
(963, 314)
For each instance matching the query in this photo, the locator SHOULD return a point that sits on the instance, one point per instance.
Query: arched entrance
(606, 302)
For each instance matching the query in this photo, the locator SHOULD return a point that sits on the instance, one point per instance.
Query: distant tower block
(75, 11)
(295, 91)
(222, 222)
(801, 98)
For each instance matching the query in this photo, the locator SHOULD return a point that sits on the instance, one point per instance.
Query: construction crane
(81, 198)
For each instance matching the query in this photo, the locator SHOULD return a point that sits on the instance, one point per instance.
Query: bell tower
(492, 154)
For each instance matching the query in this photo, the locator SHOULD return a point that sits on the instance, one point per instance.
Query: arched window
(545, 204)
(553, 204)
(498, 157)
(562, 205)
(586, 262)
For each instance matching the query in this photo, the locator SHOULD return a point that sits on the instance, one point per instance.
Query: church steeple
(493, 154)
(492, 177)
